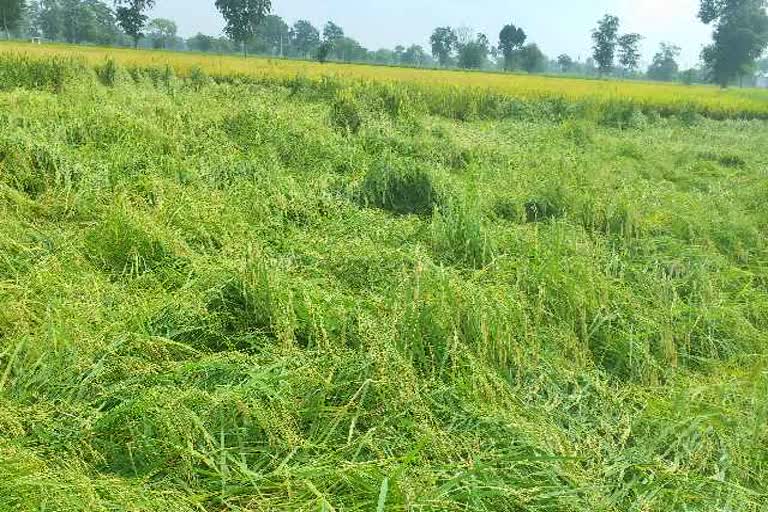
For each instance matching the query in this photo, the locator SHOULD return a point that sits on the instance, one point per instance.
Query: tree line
(740, 36)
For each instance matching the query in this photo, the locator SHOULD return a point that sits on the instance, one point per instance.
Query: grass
(220, 295)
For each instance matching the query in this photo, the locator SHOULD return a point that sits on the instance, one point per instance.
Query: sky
(557, 26)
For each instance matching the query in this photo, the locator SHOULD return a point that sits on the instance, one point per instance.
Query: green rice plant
(212, 298)
(402, 187)
(346, 113)
(460, 236)
(108, 73)
(124, 244)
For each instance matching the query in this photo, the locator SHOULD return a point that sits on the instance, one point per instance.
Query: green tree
(272, 36)
(629, 51)
(565, 62)
(474, 53)
(664, 66)
(332, 33)
(349, 50)
(739, 38)
(511, 39)
(532, 59)
(49, 18)
(605, 39)
(305, 38)
(444, 42)
(201, 42)
(242, 17)
(324, 51)
(162, 31)
(131, 17)
(11, 12)
(415, 56)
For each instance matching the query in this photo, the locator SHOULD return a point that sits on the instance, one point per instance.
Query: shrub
(403, 188)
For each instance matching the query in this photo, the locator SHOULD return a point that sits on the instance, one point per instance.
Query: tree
(415, 56)
(664, 66)
(332, 33)
(740, 37)
(565, 62)
(474, 53)
(11, 12)
(49, 19)
(511, 39)
(444, 42)
(324, 51)
(532, 59)
(162, 31)
(242, 17)
(271, 36)
(349, 50)
(305, 38)
(201, 43)
(605, 39)
(629, 51)
(131, 18)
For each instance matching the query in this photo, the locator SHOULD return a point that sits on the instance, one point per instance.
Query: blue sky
(558, 26)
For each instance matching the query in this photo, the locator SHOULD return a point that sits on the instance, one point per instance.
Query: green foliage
(664, 66)
(444, 42)
(131, 17)
(629, 51)
(242, 18)
(473, 54)
(739, 39)
(511, 39)
(605, 38)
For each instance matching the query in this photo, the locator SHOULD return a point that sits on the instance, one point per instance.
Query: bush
(402, 188)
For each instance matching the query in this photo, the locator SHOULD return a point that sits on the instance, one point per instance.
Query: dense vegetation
(305, 293)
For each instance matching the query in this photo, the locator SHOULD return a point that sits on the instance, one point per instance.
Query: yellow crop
(659, 96)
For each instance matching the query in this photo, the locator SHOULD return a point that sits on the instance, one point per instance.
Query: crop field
(649, 96)
(234, 285)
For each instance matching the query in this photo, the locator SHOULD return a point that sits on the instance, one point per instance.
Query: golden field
(671, 97)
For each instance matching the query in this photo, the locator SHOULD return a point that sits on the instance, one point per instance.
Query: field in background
(221, 293)
(647, 96)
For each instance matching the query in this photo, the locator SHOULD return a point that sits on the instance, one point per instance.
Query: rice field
(223, 293)
(647, 96)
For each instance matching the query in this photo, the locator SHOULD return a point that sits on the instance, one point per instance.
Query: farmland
(232, 284)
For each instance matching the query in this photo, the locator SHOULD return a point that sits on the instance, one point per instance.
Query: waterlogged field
(233, 295)
(648, 96)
